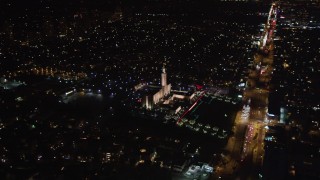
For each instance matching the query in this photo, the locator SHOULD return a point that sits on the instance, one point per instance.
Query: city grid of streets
(80, 95)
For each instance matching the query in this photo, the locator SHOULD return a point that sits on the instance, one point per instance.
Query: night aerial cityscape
(160, 89)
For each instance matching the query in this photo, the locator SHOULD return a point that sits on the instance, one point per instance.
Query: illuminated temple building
(150, 100)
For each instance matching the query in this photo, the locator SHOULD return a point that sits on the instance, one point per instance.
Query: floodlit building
(150, 100)
(163, 77)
